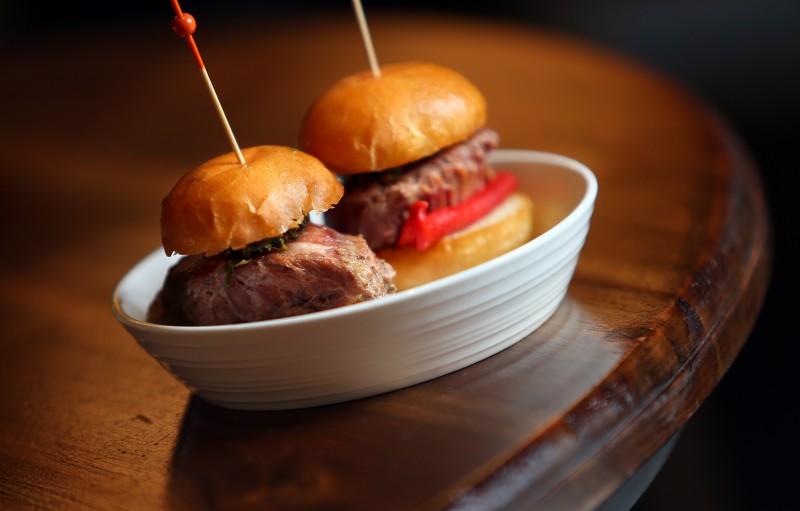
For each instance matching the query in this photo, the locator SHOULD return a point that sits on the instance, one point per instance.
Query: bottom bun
(507, 227)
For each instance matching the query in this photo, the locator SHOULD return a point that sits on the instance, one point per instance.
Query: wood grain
(668, 286)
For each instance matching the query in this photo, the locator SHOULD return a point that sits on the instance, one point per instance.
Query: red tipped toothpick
(362, 23)
(184, 25)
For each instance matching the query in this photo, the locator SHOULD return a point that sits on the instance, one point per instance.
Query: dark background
(739, 452)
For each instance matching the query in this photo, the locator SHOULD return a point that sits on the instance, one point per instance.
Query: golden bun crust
(367, 124)
(507, 227)
(222, 204)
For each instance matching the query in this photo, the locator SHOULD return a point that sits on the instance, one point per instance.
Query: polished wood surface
(94, 134)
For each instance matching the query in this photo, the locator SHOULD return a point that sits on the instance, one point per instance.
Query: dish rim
(498, 156)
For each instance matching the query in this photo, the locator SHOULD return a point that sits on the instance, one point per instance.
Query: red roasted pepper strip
(422, 229)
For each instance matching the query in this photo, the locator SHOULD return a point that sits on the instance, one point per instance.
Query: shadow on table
(239, 460)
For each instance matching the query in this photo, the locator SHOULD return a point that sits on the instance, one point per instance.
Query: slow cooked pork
(321, 269)
(377, 204)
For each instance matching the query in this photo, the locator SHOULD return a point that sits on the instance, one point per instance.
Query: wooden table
(96, 131)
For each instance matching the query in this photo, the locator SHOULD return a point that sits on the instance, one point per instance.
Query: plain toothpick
(362, 23)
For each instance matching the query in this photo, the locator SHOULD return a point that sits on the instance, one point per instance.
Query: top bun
(222, 204)
(366, 124)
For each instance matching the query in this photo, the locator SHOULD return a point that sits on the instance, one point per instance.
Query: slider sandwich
(250, 251)
(412, 147)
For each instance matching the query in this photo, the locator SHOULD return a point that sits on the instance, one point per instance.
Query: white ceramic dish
(389, 343)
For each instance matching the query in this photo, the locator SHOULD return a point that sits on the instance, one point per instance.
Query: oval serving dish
(389, 343)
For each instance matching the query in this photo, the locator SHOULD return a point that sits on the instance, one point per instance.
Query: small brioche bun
(222, 204)
(507, 227)
(367, 124)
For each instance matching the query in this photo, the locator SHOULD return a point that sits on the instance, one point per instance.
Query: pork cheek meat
(376, 204)
(322, 269)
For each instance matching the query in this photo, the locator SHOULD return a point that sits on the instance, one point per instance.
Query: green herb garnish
(237, 257)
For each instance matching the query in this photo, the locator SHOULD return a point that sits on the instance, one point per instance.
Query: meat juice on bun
(250, 251)
(412, 146)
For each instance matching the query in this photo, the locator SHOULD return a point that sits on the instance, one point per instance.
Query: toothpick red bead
(184, 25)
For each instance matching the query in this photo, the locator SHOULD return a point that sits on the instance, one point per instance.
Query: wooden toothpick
(184, 25)
(362, 23)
